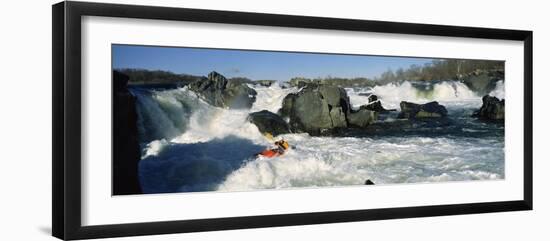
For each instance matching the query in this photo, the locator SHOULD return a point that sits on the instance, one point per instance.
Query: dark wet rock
(218, 91)
(376, 105)
(126, 154)
(429, 110)
(369, 182)
(287, 108)
(316, 109)
(492, 109)
(269, 122)
(482, 82)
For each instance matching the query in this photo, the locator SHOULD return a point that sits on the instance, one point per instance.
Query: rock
(335, 96)
(218, 91)
(126, 154)
(324, 109)
(288, 105)
(362, 118)
(120, 81)
(265, 83)
(376, 105)
(482, 82)
(373, 98)
(369, 182)
(429, 110)
(316, 109)
(492, 109)
(299, 82)
(338, 117)
(269, 122)
(285, 85)
(309, 113)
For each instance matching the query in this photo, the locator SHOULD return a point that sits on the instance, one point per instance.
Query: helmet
(284, 144)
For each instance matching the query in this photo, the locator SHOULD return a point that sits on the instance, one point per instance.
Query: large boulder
(218, 91)
(492, 109)
(269, 122)
(126, 150)
(429, 110)
(482, 82)
(316, 109)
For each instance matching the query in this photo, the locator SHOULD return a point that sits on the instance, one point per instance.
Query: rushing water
(189, 145)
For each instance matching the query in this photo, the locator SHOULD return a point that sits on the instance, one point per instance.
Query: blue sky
(255, 65)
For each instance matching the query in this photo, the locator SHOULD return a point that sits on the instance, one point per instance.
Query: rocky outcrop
(483, 81)
(218, 91)
(317, 109)
(126, 151)
(324, 109)
(492, 109)
(269, 122)
(376, 105)
(417, 111)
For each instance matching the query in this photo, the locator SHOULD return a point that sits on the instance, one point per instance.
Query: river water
(188, 145)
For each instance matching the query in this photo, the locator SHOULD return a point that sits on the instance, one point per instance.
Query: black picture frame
(66, 169)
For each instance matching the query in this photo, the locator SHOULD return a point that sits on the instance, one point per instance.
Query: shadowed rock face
(218, 91)
(126, 152)
(492, 109)
(269, 122)
(429, 110)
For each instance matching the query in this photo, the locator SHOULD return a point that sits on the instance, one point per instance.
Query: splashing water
(446, 92)
(499, 90)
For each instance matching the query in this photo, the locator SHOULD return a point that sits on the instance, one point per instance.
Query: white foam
(270, 98)
(499, 90)
(154, 148)
(449, 92)
(325, 161)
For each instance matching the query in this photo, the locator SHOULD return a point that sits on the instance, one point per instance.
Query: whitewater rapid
(446, 92)
(189, 145)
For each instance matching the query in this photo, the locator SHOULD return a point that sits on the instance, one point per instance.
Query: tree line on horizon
(144, 76)
(448, 69)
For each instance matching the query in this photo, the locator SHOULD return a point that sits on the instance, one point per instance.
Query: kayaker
(282, 146)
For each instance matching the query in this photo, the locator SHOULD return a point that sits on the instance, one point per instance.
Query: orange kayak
(269, 153)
